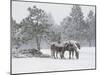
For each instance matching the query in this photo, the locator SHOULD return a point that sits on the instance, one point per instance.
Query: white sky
(58, 11)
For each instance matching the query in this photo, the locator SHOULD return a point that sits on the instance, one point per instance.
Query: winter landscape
(49, 37)
(29, 65)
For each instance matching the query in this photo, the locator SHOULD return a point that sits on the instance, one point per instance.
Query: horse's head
(78, 45)
(77, 48)
(72, 46)
(68, 45)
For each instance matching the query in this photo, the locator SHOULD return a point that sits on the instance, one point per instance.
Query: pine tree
(36, 25)
(91, 30)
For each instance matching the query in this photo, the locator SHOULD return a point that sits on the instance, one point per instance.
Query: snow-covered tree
(36, 25)
(74, 23)
(91, 31)
(15, 32)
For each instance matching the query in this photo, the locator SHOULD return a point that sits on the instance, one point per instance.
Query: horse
(71, 46)
(55, 49)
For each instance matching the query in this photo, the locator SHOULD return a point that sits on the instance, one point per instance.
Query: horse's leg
(52, 53)
(69, 54)
(72, 54)
(77, 55)
(62, 55)
(56, 54)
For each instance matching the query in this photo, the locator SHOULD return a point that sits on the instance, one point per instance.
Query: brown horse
(55, 49)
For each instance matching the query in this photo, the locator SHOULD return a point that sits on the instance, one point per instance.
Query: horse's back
(75, 42)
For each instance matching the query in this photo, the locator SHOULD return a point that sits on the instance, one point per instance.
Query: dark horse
(55, 49)
(70, 46)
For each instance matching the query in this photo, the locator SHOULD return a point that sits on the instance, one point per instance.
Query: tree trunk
(38, 42)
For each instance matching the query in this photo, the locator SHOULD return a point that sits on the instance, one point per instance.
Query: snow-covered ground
(26, 65)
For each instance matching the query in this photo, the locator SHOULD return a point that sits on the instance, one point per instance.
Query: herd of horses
(71, 46)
